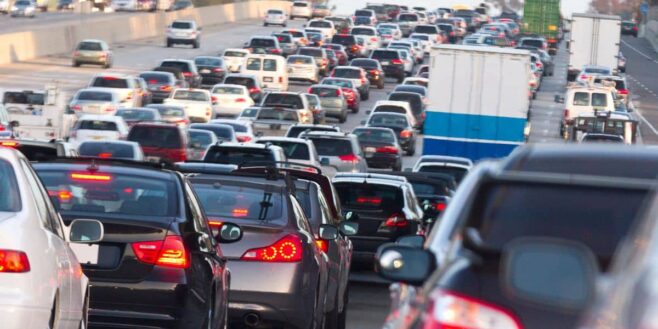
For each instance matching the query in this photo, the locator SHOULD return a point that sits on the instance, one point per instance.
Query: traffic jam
(250, 187)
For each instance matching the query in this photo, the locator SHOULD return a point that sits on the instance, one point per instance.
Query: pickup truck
(196, 102)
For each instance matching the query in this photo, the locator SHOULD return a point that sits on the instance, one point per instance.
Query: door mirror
(348, 228)
(415, 241)
(368, 112)
(328, 232)
(363, 122)
(324, 161)
(559, 99)
(351, 216)
(229, 233)
(86, 231)
(553, 272)
(406, 264)
(14, 124)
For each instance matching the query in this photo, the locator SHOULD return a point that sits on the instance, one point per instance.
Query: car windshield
(90, 46)
(375, 135)
(94, 96)
(10, 200)
(106, 150)
(201, 137)
(511, 211)
(181, 25)
(293, 150)
(320, 24)
(238, 156)
(384, 198)
(363, 31)
(136, 115)
(262, 42)
(230, 53)
(97, 125)
(240, 202)
(208, 61)
(332, 146)
(151, 136)
(338, 82)
(457, 173)
(191, 95)
(408, 18)
(92, 194)
(325, 92)
(292, 101)
(110, 82)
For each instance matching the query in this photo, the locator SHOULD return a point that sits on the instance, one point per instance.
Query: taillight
(9, 144)
(450, 310)
(13, 261)
(565, 114)
(440, 206)
(240, 100)
(168, 253)
(275, 51)
(396, 62)
(349, 158)
(178, 155)
(339, 92)
(243, 139)
(363, 78)
(280, 79)
(635, 29)
(374, 72)
(165, 88)
(623, 91)
(254, 90)
(286, 250)
(90, 177)
(214, 99)
(62, 195)
(539, 65)
(371, 200)
(322, 245)
(187, 74)
(396, 220)
(217, 70)
(405, 134)
(387, 149)
(373, 39)
(76, 53)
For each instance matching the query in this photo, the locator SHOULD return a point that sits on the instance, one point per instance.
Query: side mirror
(368, 112)
(551, 272)
(406, 264)
(328, 232)
(324, 161)
(415, 241)
(559, 99)
(229, 233)
(14, 124)
(259, 134)
(349, 228)
(351, 216)
(86, 231)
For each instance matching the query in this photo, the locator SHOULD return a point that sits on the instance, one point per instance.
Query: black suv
(159, 263)
(349, 42)
(391, 61)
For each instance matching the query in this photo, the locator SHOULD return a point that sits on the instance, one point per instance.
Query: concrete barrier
(651, 27)
(62, 37)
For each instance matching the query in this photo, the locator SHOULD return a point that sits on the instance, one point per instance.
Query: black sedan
(373, 69)
(212, 70)
(380, 147)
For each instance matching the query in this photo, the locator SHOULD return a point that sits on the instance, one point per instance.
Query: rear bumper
(183, 40)
(383, 160)
(211, 80)
(394, 71)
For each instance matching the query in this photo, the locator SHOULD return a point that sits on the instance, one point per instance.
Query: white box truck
(52, 120)
(478, 101)
(594, 40)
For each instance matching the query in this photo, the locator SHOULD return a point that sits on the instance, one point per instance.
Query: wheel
(355, 109)
(401, 78)
(343, 117)
(381, 84)
(264, 24)
(169, 43)
(397, 167)
(411, 151)
(76, 64)
(107, 65)
(196, 43)
(284, 25)
(365, 96)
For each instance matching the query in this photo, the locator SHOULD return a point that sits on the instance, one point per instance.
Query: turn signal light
(12, 261)
(286, 250)
(322, 245)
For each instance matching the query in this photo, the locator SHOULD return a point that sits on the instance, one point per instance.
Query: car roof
(99, 89)
(112, 166)
(241, 75)
(311, 125)
(244, 145)
(392, 103)
(283, 139)
(189, 61)
(120, 142)
(328, 134)
(376, 179)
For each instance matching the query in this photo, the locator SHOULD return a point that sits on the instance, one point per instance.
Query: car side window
(324, 208)
(47, 212)
(300, 217)
(198, 216)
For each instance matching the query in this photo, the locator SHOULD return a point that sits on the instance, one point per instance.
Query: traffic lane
(43, 19)
(368, 305)
(642, 78)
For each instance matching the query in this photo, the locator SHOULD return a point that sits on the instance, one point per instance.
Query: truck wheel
(401, 78)
(168, 43)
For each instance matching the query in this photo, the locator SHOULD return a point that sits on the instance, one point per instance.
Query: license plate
(96, 137)
(153, 159)
(267, 79)
(385, 62)
(204, 71)
(87, 254)
(93, 108)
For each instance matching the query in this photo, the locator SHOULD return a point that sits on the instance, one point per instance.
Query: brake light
(76, 107)
(213, 99)
(635, 29)
(280, 79)
(374, 72)
(363, 78)
(244, 139)
(623, 91)
(440, 206)
(539, 64)
(565, 114)
(9, 144)
(450, 310)
(13, 261)
(396, 62)
(396, 220)
(387, 149)
(253, 90)
(373, 200)
(62, 195)
(217, 70)
(355, 48)
(322, 245)
(168, 253)
(373, 39)
(349, 158)
(240, 100)
(275, 51)
(79, 176)
(187, 74)
(339, 92)
(105, 155)
(109, 78)
(286, 250)
(240, 212)
(76, 53)
(405, 134)
(165, 88)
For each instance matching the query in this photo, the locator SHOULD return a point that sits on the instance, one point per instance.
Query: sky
(345, 7)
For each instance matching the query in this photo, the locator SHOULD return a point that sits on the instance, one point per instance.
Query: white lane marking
(639, 52)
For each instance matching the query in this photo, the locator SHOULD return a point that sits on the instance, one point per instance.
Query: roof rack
(366, 176)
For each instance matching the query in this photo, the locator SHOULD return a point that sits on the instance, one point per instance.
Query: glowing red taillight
(349, 158)
(387, 149)
(455, 311)
(90, 177)
(396, 61)
(623, 91)
(405, 134)
(565, 114)
(187, 74)
(168, 253)
(396, 220)
(286, 250)
(322, 245)
(243, 139)
(440, 206)
(13, 261)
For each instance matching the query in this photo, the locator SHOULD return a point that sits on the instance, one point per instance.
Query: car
(301, 9)
(539, 43)
(248, 80)
(188, 68)
(380, 147)
(287, 43)
(234, 58)
(98, 127)
(269, 69)
(585, 99)
(49, 259)
(319, 114)
(326, 27)
(296, 130)
(124, 85)
(244, 154)
(372, 39)
(304, 68)
(39, 150)
(320, 56)
(407, 21)
(275, 17)
(279, 275)
(349, 91)
(416, 102)
(374, 71)
(149, 212)
(111, 149)
(159, 84)
(320, 10)
(23, 8)
(230, 99)
(334, 103)
(387, 209)
(592, 71)
(431, 30)
(369, 13)
(381, 12)
(196, 102)
(621, 85)
(92, 51)
(224, 132)
(297, 150)
(424, 39)
(183, 32)
(198, 142)
(621, 63)
(629, 28)
(212, 70)
(171, 114)
(243, 129)
(400, 107)
(515, 188)
(160, 142)
(315, 37)
(399, 123)
(262, 45)
(396, 32)
(349, 42)
(457, 167)
(386, 35)
(131, 116)
(95, 101)
(415, 54)
(338, 150)
(547, 64)
(392, 62)
(450, 31)
(358, 77)
(290, 100)
(298, 36)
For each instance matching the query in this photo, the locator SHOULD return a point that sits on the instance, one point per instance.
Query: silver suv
(339, 150)
(184, 32)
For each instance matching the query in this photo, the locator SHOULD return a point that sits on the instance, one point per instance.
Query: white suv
(301, 9)
(184, 32)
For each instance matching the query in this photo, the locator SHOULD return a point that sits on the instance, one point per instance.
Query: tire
(381, 84)
(397, 167)
(343, 117)
(76, 64)
(411, 151)
(355, 110)
(107, 65)
(196, 44)
(365, 96)
(169, 43)
(401, 78)
(264, 24)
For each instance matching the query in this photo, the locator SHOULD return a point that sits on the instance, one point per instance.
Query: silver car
(332, 100)
(304, 68)
(25, 8)
(338, 150)
(95, 101)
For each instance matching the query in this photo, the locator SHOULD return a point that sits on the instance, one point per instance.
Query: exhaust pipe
(252, 320)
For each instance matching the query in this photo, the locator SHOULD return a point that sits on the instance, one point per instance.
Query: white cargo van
(271, 70)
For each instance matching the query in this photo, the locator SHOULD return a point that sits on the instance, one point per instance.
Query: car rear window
(277, 114)
(237, 127)
(170, 111)
(38, 153)
(181, 25)
(208, 61)
(110, 82)
(229, 53)
(300, 60)
(363, 13)
(237, 156)
(293, 150)
(385, 55)
(296, 131)
(370, 64)
(362, 20)
(223, 132)
(284, 38)
(424, 37)
(97, 125)
(90, 46)
(385, 198)
(338, 82)
(108, 194)
(153, 136)
(296, 34)
(510, 211)
(262, 42)
(345, 40)
(456, 172)
(313, 52)
(422, 188)
(347, 73)
(363, 31)
(203, 138)
(106, 150)
(240, 202)
(155, 78)
(408, 18)
(596, 70)
(242, 81)
(292, 101)
(136, 115)
(183, 66)
(332, 146)
(325, 92)
(320, 24)
(428, 29)
(390, 108)
(19, 97)
(391, 121)
(536, 43)
(274, 12)
(375, 135)
(191, 95)
(300, 4)
(227, 90)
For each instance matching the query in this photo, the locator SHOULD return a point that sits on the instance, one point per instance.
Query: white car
(125, 85)
(111, 149)
(234, 58)
(395, 107)
(397, 33)
(230, 99)
(301, 9)
(95, 101)
(40, 276)
(196, 102)
(183, 32)
(372, 39)
(4, 6)
(244, 130)
(298, 150)
(275, 17)
(98, 127)
(24, 8)
(591, 71)
(124, 5)
(304, 68)
(425, 40)
(324, 26)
